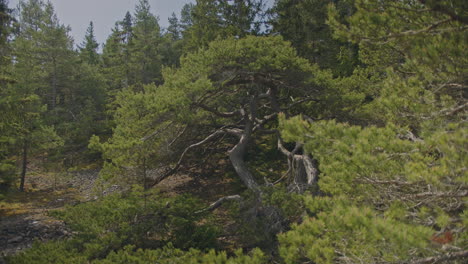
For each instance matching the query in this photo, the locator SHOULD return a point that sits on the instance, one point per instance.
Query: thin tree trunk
(54, 86)
(24, 165)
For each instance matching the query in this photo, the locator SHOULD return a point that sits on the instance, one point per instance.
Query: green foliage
(209, 20)
(89, 47)
(304, 24)
(147, 121)
(391, 180)
(115, 221)
(259, 220)
(171, 255)
(342, 232)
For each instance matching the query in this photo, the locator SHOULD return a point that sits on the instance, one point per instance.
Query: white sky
(104, 14)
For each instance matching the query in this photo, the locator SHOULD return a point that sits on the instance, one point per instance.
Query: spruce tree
(89, 47)
(144, 53)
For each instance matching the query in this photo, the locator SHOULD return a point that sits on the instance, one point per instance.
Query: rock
(15, 240)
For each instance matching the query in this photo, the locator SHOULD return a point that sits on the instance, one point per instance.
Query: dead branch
(219, 202)
(452, 111)
(442, 258)
(178, 136)
(461, 194)
(217, 112)
(181, 158)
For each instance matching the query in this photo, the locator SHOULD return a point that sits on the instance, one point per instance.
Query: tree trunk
(305, 173)
(53, 99)
(237, 154)
(24, 165)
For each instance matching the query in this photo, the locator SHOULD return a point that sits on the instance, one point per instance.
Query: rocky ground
(24, 216)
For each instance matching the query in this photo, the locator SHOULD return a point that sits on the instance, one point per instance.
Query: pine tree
(232, 75)
(394, 185)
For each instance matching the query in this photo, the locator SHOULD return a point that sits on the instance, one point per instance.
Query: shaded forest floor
(24, 217)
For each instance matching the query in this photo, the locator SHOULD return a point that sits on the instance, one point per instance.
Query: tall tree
(7, 103)
(235, 89)
(174, 27)
(210, 20)
(89, 47)
(304, 23)
(145, 56)
(171, 47)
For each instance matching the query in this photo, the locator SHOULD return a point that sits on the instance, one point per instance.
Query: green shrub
(171, 255)
(116, 221)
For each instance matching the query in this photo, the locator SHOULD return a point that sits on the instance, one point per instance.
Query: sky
(104, 13)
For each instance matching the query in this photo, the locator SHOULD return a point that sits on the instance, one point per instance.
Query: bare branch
(452, 111)
(217, 112)
(176, 167)
(178, 136)
(219, 202)
(440, 194)
(308, 99)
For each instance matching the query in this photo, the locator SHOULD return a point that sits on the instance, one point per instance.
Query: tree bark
(24, 165)
(305, 173)
(237, 154)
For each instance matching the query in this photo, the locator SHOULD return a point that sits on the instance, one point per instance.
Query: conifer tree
(304, 24)
(7, 104)
(211, 20)
(171, 47)
(89, 47)
(145, 56)
(394, 185)
(174, 27)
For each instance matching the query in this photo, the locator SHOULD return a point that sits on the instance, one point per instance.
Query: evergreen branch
(412, 32)
(155, 133)
(444, 10)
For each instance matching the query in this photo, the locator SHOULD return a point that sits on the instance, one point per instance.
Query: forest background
(325, 131)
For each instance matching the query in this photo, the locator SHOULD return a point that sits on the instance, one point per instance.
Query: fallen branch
(441, 258)
(219, 202)
(440, 194)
